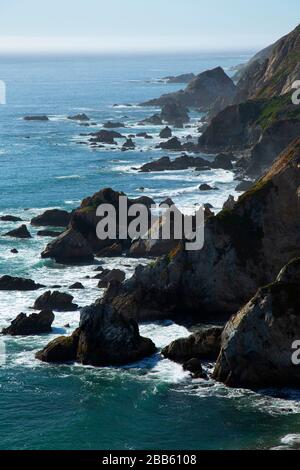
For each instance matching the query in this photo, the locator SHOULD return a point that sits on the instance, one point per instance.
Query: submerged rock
(113, 125)
(258, 342)
(34, 324)
(52, 218)
(36, 118)
(18, 283)
(20, 232)
(104, 338)
(205, 187)
(76, 285)
(55, 301)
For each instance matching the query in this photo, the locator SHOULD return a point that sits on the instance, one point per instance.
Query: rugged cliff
(244, 248)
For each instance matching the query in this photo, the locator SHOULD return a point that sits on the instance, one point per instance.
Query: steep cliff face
(244, 248)
(274, 71)
(257, 343)
(201, 92)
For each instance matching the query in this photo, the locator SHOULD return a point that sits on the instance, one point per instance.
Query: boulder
(155, 120)
(14, 251)
(34, 324)
(18, 283)
(194, 366)
(204, 344)
(165, 133)
(172, 144)
(205, 187)
(69, 248)
(180, 163)
(10, 218)
(104, 338)
(105, 137)
(55, 301)
(258, 342)
(79, 117)
(20, 232)
(111, 275)
(76, 285)
(52, 218)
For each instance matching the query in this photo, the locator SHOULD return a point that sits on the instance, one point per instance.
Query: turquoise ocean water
(153, 404)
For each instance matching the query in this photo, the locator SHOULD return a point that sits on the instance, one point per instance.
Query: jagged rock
(257, 343)
(18, 283)
(20, 232)
(70, 247)
(165, 133)
(34, 324)
(55, 301)
(222, 161)
(79, 117)
(204, 344)
(128, 145)
(256, 238)
(155, 120)
(76, 285)
(104, 338)
(36, 118)
(48, 233)
(230, 203)
(52, 218)
(111, 275)
(113, 125)
(244, 185)
(10, 218)
(111, 251)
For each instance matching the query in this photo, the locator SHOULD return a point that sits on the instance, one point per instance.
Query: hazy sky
(143, 25)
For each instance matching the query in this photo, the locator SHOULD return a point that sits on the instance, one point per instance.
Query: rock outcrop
(36, 118)
(113, 125)
(55, 301)
(79, 117)
(20, 232)
(104, 338)
(52, 218)
(243, 249)
(34, 324)
(180, 163)
(204, 344)
(18, 283)
(201, 92)
(108, 276)
(10, 218)
(258, 342)
(69, 248)
(165, 133)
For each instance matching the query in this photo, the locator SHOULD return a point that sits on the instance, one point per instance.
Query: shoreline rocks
(33, 324)
(104, 338)
(55, 301)
(11, 283)
(52, 218)
(20, 232)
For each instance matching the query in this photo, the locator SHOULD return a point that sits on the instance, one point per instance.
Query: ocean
(152, 404)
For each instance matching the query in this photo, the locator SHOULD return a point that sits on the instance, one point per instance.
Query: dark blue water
(154, 404)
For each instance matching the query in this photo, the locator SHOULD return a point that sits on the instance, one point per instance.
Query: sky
(116, 26)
